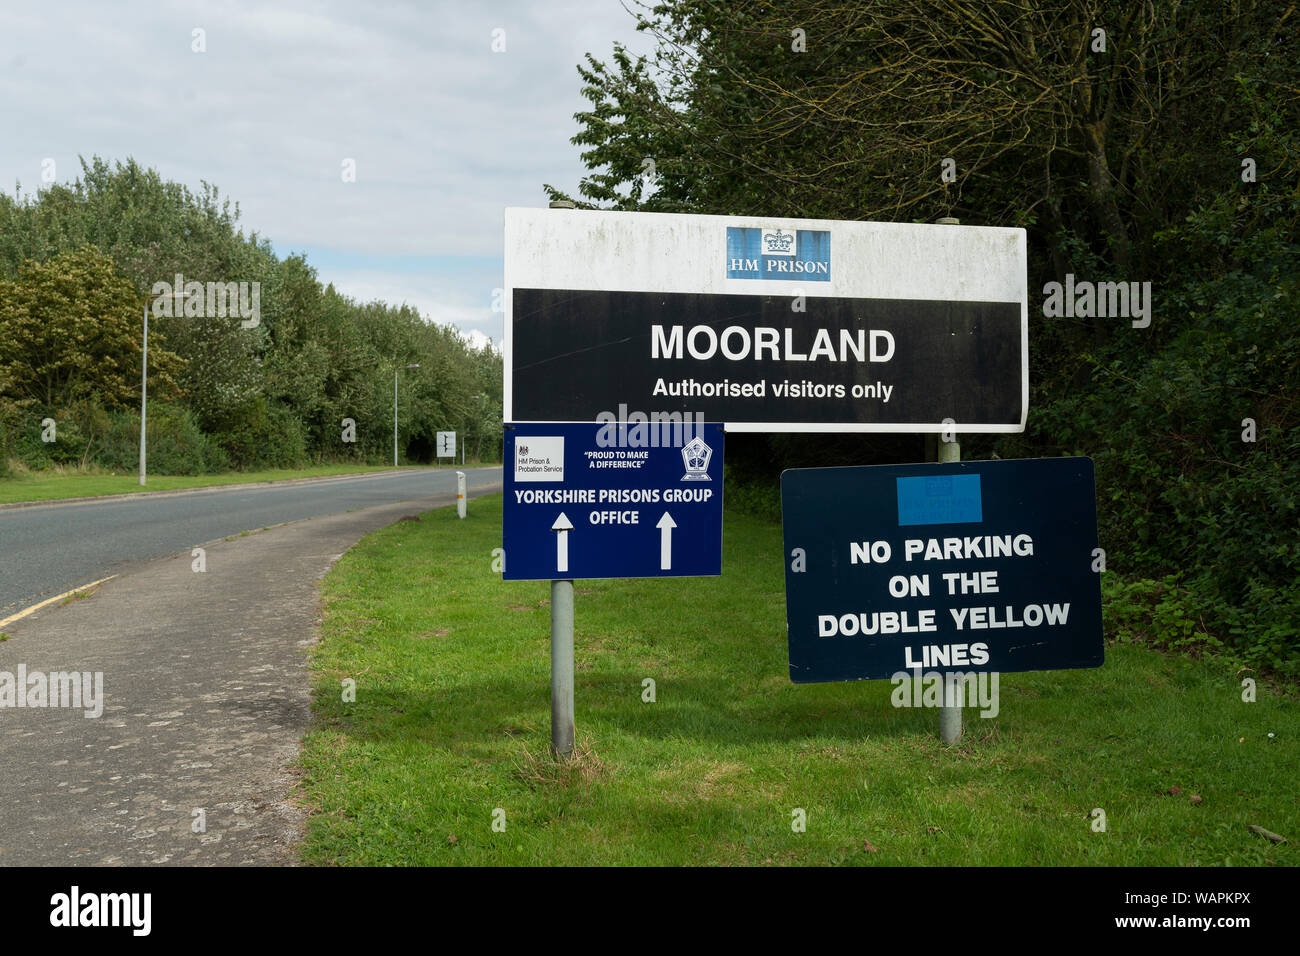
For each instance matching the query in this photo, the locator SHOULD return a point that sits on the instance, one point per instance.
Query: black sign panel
(772, 362)
(987, 566)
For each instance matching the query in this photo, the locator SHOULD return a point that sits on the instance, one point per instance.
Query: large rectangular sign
(612, 501)
(765, 324)
(984, 566)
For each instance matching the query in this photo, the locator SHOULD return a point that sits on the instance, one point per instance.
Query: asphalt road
(48, 549)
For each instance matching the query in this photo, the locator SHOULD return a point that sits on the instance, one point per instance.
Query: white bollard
(460, 493)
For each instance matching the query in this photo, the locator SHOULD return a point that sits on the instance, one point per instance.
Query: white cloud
(445, 133)
(478, 340)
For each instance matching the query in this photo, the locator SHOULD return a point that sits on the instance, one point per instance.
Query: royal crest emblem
(779, 243)
(696, 456)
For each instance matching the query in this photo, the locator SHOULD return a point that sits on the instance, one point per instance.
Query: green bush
(9, 419)
(175, 445)
(76, 430)
(30, 449)
(262, 434)
(1186, 501)
(79, 431)
(1160, 612)
(1259, 633)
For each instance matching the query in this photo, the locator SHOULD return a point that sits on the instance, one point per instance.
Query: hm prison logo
(802, 254)
(696, 455)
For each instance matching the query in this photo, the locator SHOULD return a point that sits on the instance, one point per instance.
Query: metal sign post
(562, 723)
(950, 711)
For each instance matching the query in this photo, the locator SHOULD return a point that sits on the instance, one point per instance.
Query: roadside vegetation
(79, 262)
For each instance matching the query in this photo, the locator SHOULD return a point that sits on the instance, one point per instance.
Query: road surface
(48, 549)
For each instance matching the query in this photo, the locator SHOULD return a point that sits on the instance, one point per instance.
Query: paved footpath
(205, 700)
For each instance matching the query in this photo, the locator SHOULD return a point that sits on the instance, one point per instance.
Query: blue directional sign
(612, 501)
(983, 566)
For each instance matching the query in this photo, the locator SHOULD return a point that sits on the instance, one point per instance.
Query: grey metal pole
(562, 668)
(394, 418)
(144, 385)
(950, 711)
(562, 646)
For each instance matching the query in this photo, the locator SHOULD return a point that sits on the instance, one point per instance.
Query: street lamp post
(465, 439)
(395, 371)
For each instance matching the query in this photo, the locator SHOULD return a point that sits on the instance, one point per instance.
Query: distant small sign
(446, 444)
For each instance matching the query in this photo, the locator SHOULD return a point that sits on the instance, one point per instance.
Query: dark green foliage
(176, 444)
(261, 434)
(1124, 165)
(762, 499)
(1181, 491)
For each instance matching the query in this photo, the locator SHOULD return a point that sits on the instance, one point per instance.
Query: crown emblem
(696, 456)
(778, 243)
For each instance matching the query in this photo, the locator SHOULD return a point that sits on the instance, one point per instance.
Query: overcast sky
(445, 133)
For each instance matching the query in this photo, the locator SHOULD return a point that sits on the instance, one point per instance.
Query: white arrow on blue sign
(562, 527)
(666, 525)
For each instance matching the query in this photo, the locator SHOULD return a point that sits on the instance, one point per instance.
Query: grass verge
(450, 724)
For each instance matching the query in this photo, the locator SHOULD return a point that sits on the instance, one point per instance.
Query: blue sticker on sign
(939, 499)
(803, 254)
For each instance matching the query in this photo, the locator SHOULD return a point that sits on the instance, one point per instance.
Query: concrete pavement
(205, 699)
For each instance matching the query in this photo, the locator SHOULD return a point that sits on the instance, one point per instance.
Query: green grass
(74, 483)
(451, 722)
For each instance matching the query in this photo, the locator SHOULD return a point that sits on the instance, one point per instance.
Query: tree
(272, 394)
(1088, 121)
(71, 329)
(1134, 142)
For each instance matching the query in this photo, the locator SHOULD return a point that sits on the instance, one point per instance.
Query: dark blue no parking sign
(984, 566)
